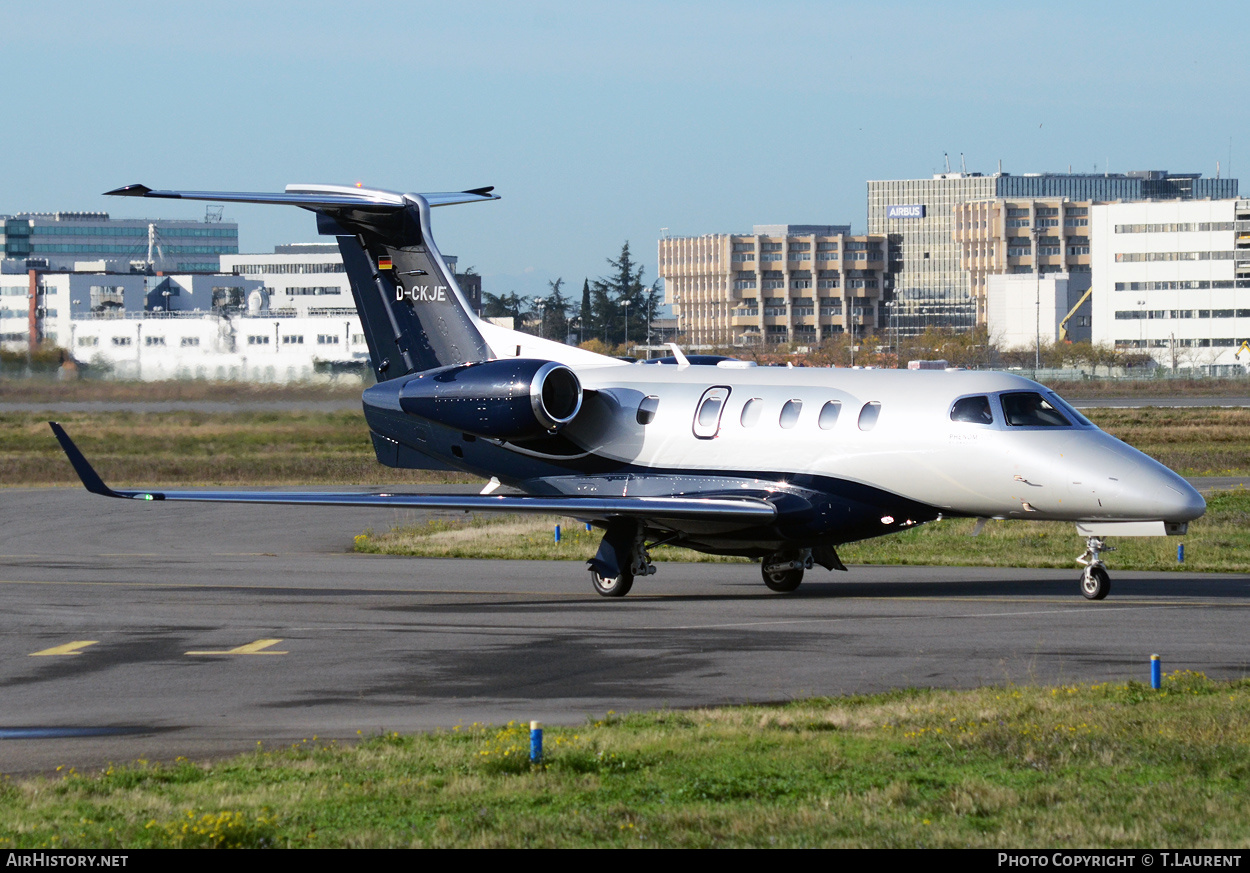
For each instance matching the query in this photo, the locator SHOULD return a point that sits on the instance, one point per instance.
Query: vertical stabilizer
(414, 316)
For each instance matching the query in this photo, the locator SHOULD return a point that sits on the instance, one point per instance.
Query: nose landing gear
(1095, 581)
(783, 571)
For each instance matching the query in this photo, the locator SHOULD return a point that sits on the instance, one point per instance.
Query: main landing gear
(783, 571)
(628, 548)
(1095, 581)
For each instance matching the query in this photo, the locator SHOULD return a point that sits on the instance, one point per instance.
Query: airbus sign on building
(905, 210)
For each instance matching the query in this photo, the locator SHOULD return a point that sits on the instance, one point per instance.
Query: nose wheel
(783, 571)
(1095, 583)
(1095, 580)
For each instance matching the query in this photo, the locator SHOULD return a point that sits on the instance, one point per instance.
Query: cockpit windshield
(1030, 409)
(1070, 410)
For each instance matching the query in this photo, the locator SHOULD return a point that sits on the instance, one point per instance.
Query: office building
(280, 317)
(1008, 237)
(63, 240)
(785, 283)
(1172, 279)
(930, 284)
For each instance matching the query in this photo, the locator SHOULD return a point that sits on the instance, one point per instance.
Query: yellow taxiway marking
(73, 648)
(249, 649)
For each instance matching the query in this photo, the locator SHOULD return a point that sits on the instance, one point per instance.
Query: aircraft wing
(745, 510)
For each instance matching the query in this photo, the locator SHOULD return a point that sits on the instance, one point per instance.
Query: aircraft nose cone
(1164, 496)
(1180, 502)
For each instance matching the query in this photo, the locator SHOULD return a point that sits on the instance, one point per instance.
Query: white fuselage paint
(913, 450)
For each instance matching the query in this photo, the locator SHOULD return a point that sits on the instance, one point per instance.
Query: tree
(619, 302)
(550, 314)
(502, 306)
(583, 323)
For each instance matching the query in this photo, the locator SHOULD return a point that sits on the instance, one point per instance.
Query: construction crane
(1063, 325)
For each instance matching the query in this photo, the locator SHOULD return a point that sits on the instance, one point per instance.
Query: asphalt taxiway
(138, 630)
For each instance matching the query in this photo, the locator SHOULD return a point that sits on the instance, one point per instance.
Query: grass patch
(1151, 388)
(1195, 441)
(1106, 765)
(1217, 542)
(23, 390)
(201, 448)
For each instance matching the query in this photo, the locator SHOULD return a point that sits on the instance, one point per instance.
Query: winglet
(129, 191)
(90, 478)
(682, 361)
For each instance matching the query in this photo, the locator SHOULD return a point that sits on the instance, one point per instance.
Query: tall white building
(1172, 278)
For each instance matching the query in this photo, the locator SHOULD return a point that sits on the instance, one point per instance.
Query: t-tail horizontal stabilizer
(744, 511)
(412, 312)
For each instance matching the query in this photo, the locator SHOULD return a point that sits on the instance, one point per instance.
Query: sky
(600, 123)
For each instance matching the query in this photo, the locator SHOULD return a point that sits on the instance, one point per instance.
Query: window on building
(190, 341)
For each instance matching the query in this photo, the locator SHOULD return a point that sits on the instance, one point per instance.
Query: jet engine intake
(508, 398)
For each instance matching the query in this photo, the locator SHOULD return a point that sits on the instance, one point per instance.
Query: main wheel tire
(1095, 583)
(614, 586)
(782, 581)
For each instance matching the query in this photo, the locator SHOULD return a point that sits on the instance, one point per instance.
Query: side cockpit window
(974, 410)
(1030, 409)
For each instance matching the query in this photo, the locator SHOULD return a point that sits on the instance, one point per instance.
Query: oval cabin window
(868, 415)
(829, 414)
(790, 413)
(751, 412)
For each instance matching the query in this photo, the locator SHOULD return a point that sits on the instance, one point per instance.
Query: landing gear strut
(622, 556)
(1095, 581)
(783, 571)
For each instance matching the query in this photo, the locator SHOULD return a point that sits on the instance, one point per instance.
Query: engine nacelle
(508, 398)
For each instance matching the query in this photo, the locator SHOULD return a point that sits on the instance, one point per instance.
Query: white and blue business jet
(780, 465)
